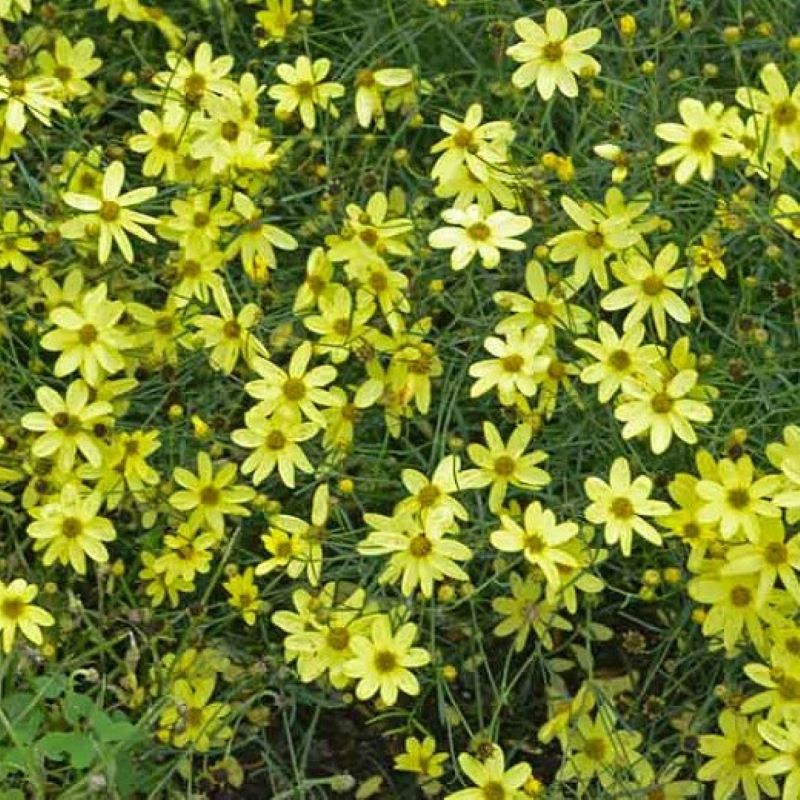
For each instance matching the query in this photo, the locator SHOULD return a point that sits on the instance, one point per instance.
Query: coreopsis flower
(617, 358)
(196, 224)
(275, 442)
(421, 758)
(528, 611)
(70, 65)
(513, 369)
(110, 214)
(650, 289)
(786, 212)
(66, 425)
(501, 465)
(16, 242)
(735, 758)
(191, 719)
(188, 553)
(370, 86)
(209, 495)
(705, 133)
(491, 778)
(470, 231)
(244, 595)
(550, 57)
(736, 500)
(617, 156)
(18, 613)
(420, 552)
(786, 742)
(164, 141)
(540, 540)
(88, 337)
(621, 506)
(195, 81)
(785, 456)
(473, 144)
(434, 495)
(276, 21)
(599, 236)
(341, 324)
(34, 95)
(304, 88)
(69, 529)
(383, 661)
(663, 408)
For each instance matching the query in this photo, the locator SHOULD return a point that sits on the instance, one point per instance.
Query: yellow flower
(649, 289)
(786, 740)
(434, 495)
(781, 689)
(383, 661)
(304, 88)
(36, 95)
(192, 719)
(786, 212)
(16, 242)
(618, 157)
(187, 555)
(706, 133)
(540, 540)
(786, 457)
(663, 408)
(196, 82)
(735, 757)
(110, 214)
(88, 337)
(244, 595)
(617, 358)
(735, 500)
(340, 326)
(195, 224)
(294, 392)
(528, 610)
(502, 465)
(209, 496)
(276, 20)
(421, 553)
(67, 425)
(421, 758)
(369, 86)
(549, 57)
(275, 443)
(17, 612)
(70, 65)
(69, 529)
(512, 370)
(472, 232)
(621, 505)
(491, 778)
(164, 140)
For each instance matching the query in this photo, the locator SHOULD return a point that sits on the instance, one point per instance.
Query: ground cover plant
(399, 399)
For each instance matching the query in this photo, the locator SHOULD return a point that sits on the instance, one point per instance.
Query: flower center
(741, 596)
(87, 334)
(553, 51)
(785, 113)
(428, 495)
(701, 141)
(595, 240)
(109, 211)
(738, 498)
(194, 717)
(743, 754)
(385, 661)
(620, 360)
(365, 78)
(479, 231)
(420, 546)
(652, 285)
(338, 638)
(534, 543)
(513, 363)
(232, 329)
(622, 508)
(191, 269)
(195, 85)
(776, 553)
(542, 309)
(229, 131)
(556, 370)
(166, 141)
(71, 528)
(209, 495)
(493, 791)
(369, 236)
(595, 749)
(62, 72)
(304, 89)
(341, 326)
(200, 219)
(504, 466)
(661, 403)
(276, 440)
(462, 138)
(13, 608)
(294, 389)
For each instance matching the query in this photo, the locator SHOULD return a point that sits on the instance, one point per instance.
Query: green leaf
(79, 747)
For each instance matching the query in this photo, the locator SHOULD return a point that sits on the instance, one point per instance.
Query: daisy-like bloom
(540, 540)
(67, 425)
(551, 58)
(515, 363)
(434, 495)
(17, 612)
(621, 505)
(786, 212)
(209, 496)
(383, 661)
(735, 608)
(192, 719)
(36, 95)
(188, 555)
(785, 456)
(705, 133)
(195, 224)
(599, 236)
(421, 553)
(617, 358)
(370, 85)
(16, 242)
(479, 233)
(276, 20)
(662, 407)
(502, 465)
(528, 610)
(230, 336)
(341, 324)
(780, 107)
(786, 740)
(735, 500)
(70, 65)
(110, 215)
(598, 750)
(275, 443)
(244, 595)
(69, 529)
(617, 156)
(88, 337)
(194, 82)
(649, 289)
(780, 682)
(472, 143)
(304, 88)
(421, 758)
(735, 758)
(297, 391)
(491, 778)
(164, 140)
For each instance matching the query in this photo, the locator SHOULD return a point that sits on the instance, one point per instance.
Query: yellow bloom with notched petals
(18, 613)
(304, 89)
